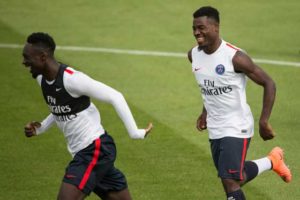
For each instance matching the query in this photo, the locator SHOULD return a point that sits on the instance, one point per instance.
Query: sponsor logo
(57, 89)
(210, 89)
(60, 109)
(220, 69)
(61, 112)
(216, 91)
(65, 118)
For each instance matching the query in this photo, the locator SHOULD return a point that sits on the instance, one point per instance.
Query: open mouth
(200, 39)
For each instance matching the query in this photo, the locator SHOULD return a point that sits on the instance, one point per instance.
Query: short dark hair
(42, 40)
(208, 11)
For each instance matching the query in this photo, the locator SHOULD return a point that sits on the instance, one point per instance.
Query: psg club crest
(220, 69)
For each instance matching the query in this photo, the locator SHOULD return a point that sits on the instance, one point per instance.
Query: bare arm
(243, 63)
(201, 122)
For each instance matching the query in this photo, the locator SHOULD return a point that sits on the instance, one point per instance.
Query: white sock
(263, 164)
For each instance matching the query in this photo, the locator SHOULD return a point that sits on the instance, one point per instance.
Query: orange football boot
(278, 165)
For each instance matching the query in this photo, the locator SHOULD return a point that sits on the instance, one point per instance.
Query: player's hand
(30, 128)
(148, 129)
(266, 131)
(201, 121)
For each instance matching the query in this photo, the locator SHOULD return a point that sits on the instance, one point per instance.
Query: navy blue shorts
(92, 168)
(229, 154)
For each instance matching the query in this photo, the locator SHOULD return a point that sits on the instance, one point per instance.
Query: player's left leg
(113, 186)
(70, 192)
(251, 170)
(231, 163)
(275, 161)
(87, 168)
(233, 189)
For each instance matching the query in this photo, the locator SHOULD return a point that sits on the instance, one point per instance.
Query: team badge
(220, 69)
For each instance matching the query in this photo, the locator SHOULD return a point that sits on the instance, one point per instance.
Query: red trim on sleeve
(243, 158)
(233, 47)
(69, 71)
(91, 165)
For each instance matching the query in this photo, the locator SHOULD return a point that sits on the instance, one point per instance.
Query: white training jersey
(83, 129)
(223, 93)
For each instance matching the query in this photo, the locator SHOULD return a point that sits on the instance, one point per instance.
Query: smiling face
(34, 58)
(206, 31)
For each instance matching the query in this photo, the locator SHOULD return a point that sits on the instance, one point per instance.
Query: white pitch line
(145, 53)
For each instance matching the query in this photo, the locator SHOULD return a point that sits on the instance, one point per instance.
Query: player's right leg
(113, 185)
(229, 155)
(87, 168)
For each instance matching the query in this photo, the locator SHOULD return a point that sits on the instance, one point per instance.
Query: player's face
(34, 59)
(205, 30)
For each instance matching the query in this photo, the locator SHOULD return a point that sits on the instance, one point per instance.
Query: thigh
(113, 182)
(91, 164)
(232, 155)
(70, 192)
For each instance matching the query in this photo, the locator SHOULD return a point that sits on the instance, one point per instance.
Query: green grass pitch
(174, 162)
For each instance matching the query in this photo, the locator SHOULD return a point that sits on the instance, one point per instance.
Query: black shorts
(229, 154)
(92, 169)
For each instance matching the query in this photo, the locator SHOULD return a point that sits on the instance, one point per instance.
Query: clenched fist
(30, 128)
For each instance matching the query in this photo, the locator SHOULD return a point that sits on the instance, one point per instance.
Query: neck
(51, 70)
(213, 47)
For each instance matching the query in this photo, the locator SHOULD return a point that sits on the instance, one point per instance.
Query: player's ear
(217, 27)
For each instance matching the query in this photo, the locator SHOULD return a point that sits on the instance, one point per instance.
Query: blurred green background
(174, 163)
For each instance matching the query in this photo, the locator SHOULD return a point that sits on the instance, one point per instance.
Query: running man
(67, 93)
(221, 70)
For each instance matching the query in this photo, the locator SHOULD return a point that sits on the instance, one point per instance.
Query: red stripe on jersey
(231, 46)
(69, 71)
(243, 158)
(91, 165)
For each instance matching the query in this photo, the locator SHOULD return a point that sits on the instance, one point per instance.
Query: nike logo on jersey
(57, 89)
(197, 69)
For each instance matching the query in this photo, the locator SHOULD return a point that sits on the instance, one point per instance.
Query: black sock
(251, 170)
(236, 195)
